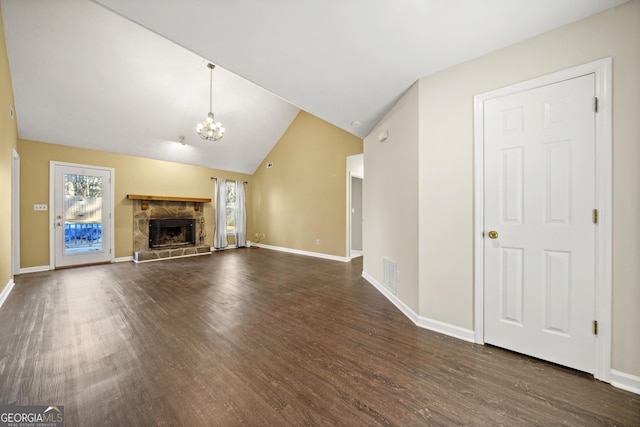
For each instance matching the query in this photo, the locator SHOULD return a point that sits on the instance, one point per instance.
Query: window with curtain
(230, 213)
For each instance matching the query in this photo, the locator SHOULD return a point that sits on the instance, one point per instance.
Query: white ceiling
(85, 76)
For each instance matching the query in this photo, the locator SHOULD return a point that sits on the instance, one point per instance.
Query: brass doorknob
(493, 234)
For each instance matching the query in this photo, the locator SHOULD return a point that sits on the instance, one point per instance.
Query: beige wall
(133, 175)
(390, 227)
(303, 197)
(8, 141)
(446, 165)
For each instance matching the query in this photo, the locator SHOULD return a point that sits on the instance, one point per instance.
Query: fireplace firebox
(171, 233)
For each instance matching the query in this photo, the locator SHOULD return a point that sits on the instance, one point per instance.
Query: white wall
(419, 211)
(355, 165)
(390, 197)
(446, 165)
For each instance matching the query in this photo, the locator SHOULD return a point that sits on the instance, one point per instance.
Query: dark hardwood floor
(261, 338)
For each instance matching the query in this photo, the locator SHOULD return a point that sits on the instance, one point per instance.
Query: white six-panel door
(539, 172)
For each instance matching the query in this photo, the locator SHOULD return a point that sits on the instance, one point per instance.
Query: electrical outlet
(317, 241)
(40, 207)
(264, 236)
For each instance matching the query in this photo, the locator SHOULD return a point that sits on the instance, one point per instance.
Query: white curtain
(241, 215)
(220, 235)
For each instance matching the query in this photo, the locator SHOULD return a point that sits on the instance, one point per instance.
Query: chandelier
(209, 129)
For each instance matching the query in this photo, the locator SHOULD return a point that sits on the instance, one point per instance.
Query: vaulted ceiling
(130, 76)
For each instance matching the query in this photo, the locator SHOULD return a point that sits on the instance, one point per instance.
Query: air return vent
(390, 274)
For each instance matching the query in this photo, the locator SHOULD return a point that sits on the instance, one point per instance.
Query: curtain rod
(246, 182)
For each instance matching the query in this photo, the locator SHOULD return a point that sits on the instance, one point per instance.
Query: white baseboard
(625, 381)
(36, 269)
(356, 254)
(299, 252)
(447, 329)
(123, 259)
(6, 291)
(420, 321)
(405, 309)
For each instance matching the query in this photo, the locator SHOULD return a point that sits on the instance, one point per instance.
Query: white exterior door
(82, 215)
(539, 245)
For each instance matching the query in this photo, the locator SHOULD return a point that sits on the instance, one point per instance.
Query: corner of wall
(299, 202)
(390, 197)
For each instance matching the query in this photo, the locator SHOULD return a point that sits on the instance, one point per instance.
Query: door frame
(15, 213)
(355, 167)
(52, 167)
(603, 195)
(350, 207)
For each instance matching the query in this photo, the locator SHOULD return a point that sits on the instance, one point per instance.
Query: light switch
(40, 207)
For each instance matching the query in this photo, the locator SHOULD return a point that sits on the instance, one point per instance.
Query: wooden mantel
(145, 200)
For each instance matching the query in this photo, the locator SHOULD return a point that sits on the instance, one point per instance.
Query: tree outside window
(231, 206)
(83, 198)
(83, 185)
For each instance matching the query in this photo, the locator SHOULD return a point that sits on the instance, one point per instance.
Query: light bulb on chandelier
(209, 129)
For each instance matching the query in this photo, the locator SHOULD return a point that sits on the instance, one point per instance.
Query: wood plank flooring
(263, 338)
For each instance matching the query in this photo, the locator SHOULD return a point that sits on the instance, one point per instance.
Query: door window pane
(82, 214)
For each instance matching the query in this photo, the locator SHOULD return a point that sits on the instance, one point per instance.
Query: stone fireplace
(167, 228)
